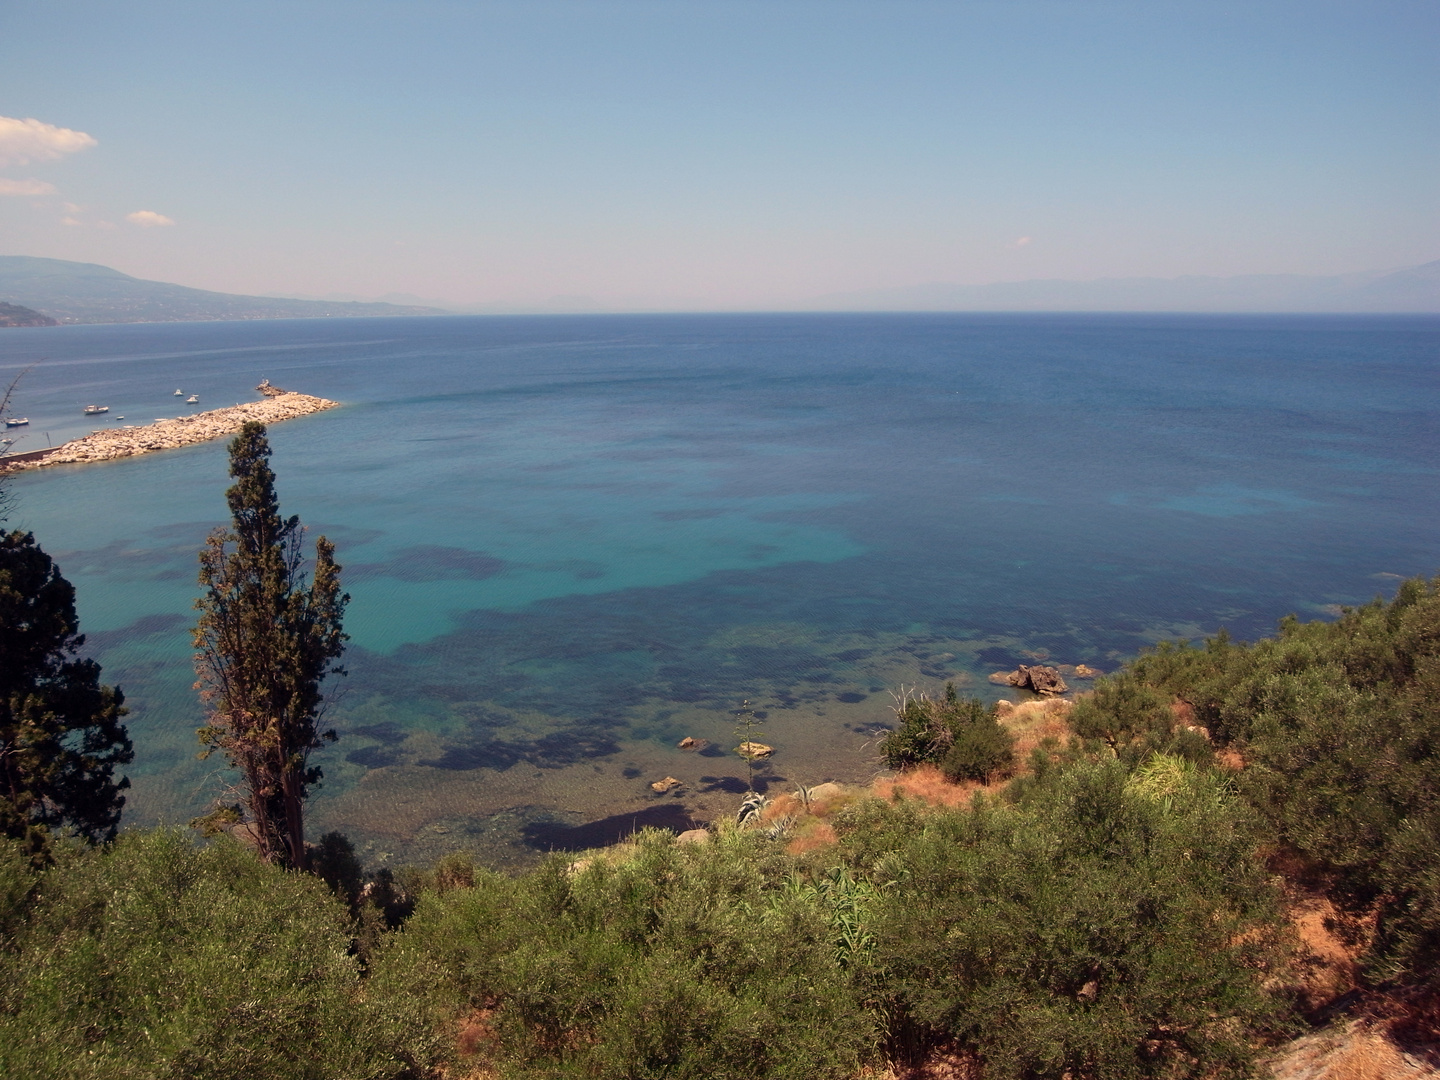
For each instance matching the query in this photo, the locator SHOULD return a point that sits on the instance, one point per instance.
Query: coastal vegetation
(1113, 900)
(61, 738)
(265, 641)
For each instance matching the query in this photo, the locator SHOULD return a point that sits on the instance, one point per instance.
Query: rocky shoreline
(114, 443)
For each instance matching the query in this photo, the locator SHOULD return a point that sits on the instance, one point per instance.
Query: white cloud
(148, 219)
(25, 187)
(24, 141)
(1022, 241)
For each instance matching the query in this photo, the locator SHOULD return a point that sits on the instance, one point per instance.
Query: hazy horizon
(715, 156)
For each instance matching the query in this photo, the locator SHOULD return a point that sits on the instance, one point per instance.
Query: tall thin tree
(265, 641)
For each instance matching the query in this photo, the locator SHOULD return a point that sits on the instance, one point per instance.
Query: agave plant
(751, 807)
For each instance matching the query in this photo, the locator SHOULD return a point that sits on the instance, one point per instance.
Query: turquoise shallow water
(572, 541)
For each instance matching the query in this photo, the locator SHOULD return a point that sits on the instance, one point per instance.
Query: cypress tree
(265, 641)
(60, 731)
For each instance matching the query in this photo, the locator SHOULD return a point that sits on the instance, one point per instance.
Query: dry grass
(1327, 966)
(927, 784)
(944, 1063)
(475, 1041)
(1033, 722)
(1358, 1051)
(812, 835)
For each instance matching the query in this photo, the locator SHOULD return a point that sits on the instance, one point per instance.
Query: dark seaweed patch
(732, 785)
(429, 562)
(374, 757)
(999, 658)
(386, 732)
(849, 656)
(554, 836)
(145, 626)
(850, 697)
(687, 515)
(553, 751)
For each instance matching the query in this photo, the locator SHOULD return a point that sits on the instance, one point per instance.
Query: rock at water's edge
(1042, 680)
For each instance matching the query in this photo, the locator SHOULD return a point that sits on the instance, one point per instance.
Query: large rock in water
(1043, 680)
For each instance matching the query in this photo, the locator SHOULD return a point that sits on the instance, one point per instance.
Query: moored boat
(192, 399)
(96, 410)
(16, 421)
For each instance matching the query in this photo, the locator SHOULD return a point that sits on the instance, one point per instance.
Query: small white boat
(96, 410)
(16, 421)
(179, 393)
(192, 399)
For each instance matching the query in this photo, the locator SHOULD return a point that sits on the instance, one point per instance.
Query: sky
(670, 155)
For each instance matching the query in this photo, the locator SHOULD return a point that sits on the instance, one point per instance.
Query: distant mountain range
(75, 292)
(1416, 289)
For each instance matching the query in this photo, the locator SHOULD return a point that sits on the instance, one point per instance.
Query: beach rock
(1084, 672)
(754, 750)
(1004, 706)
(662, 786)
(1042, 680)
(693, 836)
(1001, 678)
(828, 790)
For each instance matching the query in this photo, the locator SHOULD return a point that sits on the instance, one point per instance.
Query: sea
(571, 542)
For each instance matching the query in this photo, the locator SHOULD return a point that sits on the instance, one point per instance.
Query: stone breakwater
(113, 443)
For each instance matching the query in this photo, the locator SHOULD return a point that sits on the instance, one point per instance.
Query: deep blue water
(573, 540)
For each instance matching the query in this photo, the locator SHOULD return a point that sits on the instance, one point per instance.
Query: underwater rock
(754, 750)
(662, 786)
(689, 743)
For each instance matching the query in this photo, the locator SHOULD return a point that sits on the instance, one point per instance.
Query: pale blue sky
(721, 154)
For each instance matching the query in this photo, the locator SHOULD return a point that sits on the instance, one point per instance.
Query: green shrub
(701, 961)
(1100, 928)
(1339, 723)
(961, 736)
(153, 958)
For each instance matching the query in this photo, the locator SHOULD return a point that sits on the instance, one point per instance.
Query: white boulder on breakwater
(126, 442)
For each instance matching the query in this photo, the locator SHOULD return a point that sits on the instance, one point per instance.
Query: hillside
(15, 315)
(73, 292)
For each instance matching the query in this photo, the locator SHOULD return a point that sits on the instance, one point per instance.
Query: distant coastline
(65, 292)
(112, 444)
(17, 315)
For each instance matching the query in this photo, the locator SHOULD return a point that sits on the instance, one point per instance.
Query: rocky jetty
(113, 443)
